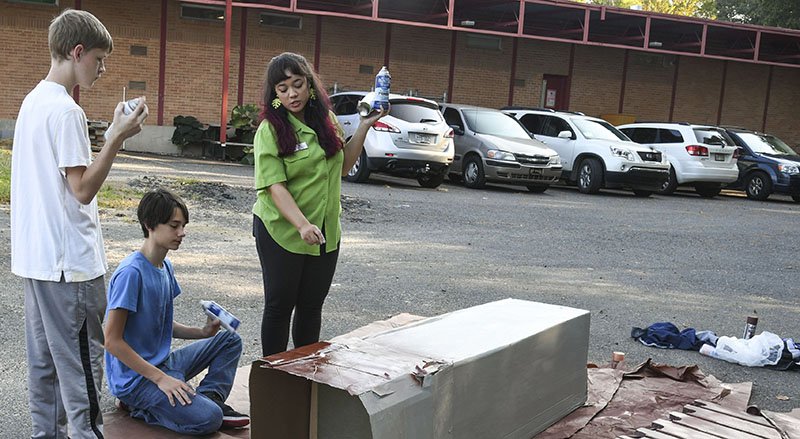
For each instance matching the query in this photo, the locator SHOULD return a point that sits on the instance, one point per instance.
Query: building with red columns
(554, 53)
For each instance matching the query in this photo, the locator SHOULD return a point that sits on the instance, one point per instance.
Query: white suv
(413, 140)
(702, 156)
(593, 153)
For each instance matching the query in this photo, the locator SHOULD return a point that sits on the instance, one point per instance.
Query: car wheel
(537, 188)
(455, 178)
(473, 172)
(590, 176)
(430, 181)
(359, 173)
(758, 186)
(642, 193)
(669, 186)
(708, 190)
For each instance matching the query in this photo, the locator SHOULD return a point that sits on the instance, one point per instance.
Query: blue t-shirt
(146, 291)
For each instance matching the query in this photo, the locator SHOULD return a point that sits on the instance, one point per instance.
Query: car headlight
(627, 154)
(789, 169)
(554, 160)
(496, 154)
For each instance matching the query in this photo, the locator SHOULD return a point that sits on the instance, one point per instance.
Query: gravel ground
(632, 262)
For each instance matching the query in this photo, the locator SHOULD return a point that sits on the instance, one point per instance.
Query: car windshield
(495, 123)
(766, 144)
(599, 129)
(712, 136)
(414, 112)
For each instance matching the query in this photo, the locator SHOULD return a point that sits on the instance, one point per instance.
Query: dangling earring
(312, 95)
(276, 103)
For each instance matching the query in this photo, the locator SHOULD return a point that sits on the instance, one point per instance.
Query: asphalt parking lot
(631, 261)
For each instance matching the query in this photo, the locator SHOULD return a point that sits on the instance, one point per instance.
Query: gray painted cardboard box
(505, 369)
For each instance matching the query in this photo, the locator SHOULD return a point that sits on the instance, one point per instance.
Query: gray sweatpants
(64, 336)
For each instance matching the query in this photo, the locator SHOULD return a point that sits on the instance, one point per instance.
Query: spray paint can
(364, 106)
(750, 327)
(213, 310)
(383, 82)
(127, 108)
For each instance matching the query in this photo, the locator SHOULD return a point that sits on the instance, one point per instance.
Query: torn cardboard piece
(505, 369)
(619, 402)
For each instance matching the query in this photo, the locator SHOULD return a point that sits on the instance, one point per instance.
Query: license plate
(536, 171)
(719, 157)
(427, 139)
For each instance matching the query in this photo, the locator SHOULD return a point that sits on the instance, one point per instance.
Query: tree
(778, 13)
(691, 8)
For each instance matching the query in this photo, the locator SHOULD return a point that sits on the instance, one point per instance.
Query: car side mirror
(565, 135)
(457, 130)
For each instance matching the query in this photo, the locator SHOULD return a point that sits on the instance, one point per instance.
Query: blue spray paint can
(383, 82)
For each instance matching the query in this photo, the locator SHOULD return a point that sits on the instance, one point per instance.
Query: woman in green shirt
(300, 157)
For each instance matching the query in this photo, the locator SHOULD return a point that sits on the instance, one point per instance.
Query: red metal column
(387, 45)
(674, 88)
(452, 64)
(766, 101)
(513, 77)
(571, 71)
(317, 42)
(722, 91)
(226, 66)
(624, 81)
(242, 56)
(162, 64)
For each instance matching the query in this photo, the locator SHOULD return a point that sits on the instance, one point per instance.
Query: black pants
(292, 282)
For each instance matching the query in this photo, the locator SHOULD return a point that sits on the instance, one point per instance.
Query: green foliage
(5, 176)
(187, 130)
(117, 196)
(245, 119)
(778, 13)
(690, 8)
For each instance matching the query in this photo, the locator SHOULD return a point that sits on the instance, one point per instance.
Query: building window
(281, 20)
(201, 12)
(139, 50)
(365, 69)
(489, 42)
(38, 2)
(137, 85)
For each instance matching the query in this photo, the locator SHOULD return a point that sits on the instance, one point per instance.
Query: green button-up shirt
(314, 182)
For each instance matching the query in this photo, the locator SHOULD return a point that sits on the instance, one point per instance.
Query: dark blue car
(766, 165)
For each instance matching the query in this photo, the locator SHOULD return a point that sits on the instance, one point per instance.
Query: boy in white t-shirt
(56, 241)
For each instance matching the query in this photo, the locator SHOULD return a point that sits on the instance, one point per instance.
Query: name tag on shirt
(300, 146)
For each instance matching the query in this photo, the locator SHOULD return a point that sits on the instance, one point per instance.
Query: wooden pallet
(706, 420)
(96, 130)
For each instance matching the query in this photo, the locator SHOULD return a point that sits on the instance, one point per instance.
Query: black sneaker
(230, 417)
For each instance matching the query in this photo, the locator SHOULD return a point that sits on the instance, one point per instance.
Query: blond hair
(73, 27)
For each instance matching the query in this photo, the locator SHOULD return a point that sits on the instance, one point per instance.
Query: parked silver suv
(411, 141)
(490, 146)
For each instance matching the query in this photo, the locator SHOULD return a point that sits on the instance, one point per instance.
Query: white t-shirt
(52, 233)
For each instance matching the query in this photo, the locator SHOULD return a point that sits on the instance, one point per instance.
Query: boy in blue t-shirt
(148, 379)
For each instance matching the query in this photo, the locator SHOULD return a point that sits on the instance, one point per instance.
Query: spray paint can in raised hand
(128, 107)
(750, 327)
(383, 82)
